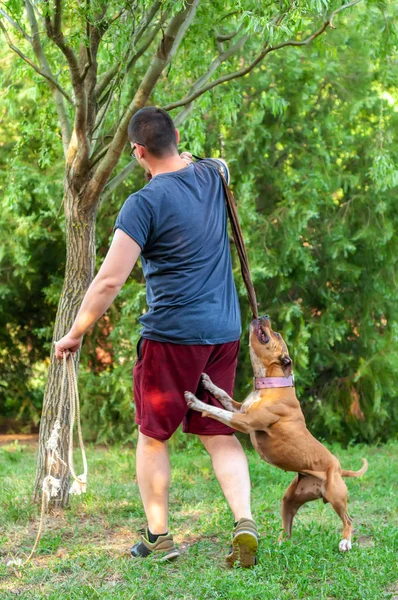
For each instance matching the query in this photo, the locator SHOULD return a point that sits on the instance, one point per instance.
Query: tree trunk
(79, 272)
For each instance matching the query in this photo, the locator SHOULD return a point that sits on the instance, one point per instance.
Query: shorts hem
(193, 342)
(155, 436)
(218, 432)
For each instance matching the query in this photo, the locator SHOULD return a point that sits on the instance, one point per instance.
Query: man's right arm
(115, 269)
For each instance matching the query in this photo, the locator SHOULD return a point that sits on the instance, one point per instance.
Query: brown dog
(272, 416)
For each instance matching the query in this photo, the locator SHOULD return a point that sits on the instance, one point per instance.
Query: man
(178, 225)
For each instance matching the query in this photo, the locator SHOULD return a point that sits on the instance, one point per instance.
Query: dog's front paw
(195, 404)
(207, 382)
(345, 545)
(191, 400)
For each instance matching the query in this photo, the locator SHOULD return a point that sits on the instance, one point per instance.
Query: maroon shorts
(164, 371)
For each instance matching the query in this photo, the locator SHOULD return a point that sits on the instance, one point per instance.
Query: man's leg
(153, 477)
(231, 469)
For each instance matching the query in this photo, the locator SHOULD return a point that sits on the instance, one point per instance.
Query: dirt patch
(393, 589)
(30, 439)
(366, 541)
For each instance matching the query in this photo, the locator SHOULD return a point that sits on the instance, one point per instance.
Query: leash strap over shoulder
(240, 245)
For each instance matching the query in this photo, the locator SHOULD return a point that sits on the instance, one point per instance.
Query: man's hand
(186, 157)
(67, 344)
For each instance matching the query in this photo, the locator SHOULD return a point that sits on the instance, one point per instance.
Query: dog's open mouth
(262, 336)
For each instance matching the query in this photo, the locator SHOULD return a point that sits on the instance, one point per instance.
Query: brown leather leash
(240, 245)
(239, 242)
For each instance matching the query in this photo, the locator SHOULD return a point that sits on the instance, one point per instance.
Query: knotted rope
(52, 485)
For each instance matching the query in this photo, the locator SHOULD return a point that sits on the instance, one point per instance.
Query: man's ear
(177, 136)
(140, 150)
(287, 364)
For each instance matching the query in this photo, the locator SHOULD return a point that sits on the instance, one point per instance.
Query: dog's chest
(255, 396)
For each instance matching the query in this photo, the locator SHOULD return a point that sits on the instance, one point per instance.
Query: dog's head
(268, 349)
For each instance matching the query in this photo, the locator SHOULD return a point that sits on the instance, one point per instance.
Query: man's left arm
(115, 269)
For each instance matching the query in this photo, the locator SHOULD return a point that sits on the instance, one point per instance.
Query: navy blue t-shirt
(180, 222)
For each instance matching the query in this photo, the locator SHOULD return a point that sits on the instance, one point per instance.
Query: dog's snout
(265, 319)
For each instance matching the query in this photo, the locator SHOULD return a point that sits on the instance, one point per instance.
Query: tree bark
(79, 272)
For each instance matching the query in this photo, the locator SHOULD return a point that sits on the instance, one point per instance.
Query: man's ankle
(153, 537)
(249, 517)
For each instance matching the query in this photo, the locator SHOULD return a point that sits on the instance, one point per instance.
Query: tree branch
(335, 12)
(44, 64)
(58, 17)
(97, 157)
(144, 46)
(16, 25)
(236, 74)
(117, 16)
(225, 37)
(110, 74)
(59, 40)
(146, 20)
(233, 49)
(49, 78)
(117, 69)
(56, 35)
(86, 69)
(166, 50)
(265, 50)
(105, 80)
(117, 180)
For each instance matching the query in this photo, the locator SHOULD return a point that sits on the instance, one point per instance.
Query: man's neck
(166, 165)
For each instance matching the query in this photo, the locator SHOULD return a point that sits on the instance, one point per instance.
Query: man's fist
(186, 157)
(68, 345)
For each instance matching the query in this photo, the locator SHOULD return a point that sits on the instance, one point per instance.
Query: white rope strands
(52, 485)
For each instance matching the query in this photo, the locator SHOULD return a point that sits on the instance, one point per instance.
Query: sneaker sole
(244, 550)
(170, 556)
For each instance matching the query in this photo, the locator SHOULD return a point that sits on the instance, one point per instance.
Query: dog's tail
(356, 473)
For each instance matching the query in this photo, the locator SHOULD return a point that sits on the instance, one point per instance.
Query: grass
(83, 553)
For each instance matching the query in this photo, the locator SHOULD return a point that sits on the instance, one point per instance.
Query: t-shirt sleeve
(135, 219)
(215, 162)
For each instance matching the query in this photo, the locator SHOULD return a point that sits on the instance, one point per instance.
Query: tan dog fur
(276, 424)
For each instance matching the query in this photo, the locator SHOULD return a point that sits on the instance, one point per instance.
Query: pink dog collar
(261, 383)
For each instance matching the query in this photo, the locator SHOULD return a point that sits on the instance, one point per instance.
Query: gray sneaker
(162, 549)
(244, 544)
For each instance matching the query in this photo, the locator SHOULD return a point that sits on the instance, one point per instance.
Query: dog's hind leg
(288, 509)
(227, 402)
(303, 488)
(336, 493)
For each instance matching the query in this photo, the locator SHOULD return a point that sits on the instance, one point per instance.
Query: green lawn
(84, 551)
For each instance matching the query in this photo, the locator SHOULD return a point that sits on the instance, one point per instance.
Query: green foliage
(318, 208)
(31, 248)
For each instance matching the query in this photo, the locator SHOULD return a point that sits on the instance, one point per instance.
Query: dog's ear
(287, 364)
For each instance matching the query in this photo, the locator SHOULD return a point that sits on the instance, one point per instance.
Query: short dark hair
(153, 128)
